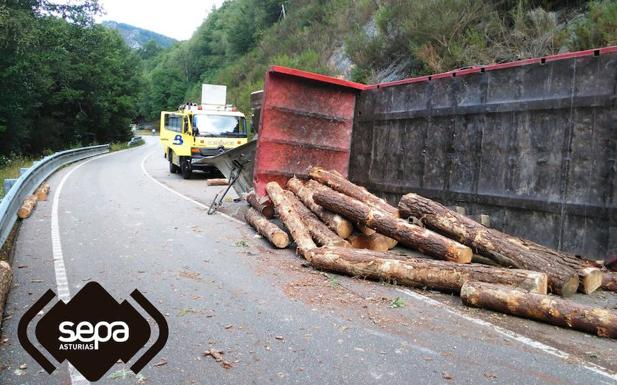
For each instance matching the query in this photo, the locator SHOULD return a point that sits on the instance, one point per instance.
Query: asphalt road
(276, 320)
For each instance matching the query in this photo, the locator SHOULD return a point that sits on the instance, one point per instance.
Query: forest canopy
(66, 81)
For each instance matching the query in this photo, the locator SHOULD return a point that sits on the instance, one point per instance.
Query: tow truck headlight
(195, 150)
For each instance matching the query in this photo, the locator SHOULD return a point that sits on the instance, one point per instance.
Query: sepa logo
(93, 331)
(178, 140)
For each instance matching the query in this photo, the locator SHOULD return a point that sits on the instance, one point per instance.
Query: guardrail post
(8, 183)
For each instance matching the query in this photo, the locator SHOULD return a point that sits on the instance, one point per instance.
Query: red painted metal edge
(493, 67)
(317, 77)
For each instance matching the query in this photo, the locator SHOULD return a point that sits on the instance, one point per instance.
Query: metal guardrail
(29, 180)
(136, 141)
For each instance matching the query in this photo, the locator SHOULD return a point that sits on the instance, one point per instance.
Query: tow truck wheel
(172, 167)
(185, 167)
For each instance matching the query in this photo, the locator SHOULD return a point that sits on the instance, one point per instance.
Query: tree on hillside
(65, 81)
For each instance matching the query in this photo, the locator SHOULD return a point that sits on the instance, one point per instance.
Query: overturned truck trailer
(532, 143)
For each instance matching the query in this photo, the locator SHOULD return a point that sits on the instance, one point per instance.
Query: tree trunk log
(6, 275)
(321, 234)
(305, 191)
(26, 208)
(423, 240)
(375, 242)
(418, 272)
(341, 184)
(42, 192)
(609, 281)
(272, 232)
(217, 182)
(552, 310)
(504, 249)
(590, 279)
(291, 218)
(261, 204)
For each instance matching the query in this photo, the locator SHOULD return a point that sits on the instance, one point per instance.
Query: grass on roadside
(119, 146)
(11, 170)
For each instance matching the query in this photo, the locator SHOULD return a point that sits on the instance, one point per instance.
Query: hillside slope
(368, 41)
(136, 37)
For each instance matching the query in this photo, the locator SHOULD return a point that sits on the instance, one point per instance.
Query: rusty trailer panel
(306, 119)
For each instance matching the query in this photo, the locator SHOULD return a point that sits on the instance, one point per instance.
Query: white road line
(62, 283)
(513, 335)
(193, 201)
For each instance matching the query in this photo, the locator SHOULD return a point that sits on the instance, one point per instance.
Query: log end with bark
(272, 232)
(543, 308)
(42, 192)
(609, 281)
(590, 279)
(262, 204)
(218, 182)
(27, 207)
(376, 242)
(6, 275)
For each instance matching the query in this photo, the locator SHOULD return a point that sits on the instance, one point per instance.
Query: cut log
(609, 281)
(418, 272)
(218, 182)
(42, 192)
(26, 208)
(376, 242)
(6, 275)
(590, 279)
(543, 308)
(339, 183)
(272, 232)
(261, 204)
(365, 230)
(502, 248)
(305, 192)
(291, 218)
(320, 233)
(407, 234)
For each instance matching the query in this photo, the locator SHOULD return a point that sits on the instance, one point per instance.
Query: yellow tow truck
(198, 131)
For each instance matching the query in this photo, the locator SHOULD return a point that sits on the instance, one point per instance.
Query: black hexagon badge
(93, 331)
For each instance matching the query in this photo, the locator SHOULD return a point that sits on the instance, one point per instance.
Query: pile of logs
(29, 203)
(341, 227)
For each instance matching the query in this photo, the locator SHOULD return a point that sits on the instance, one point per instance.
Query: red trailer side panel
(306, 120)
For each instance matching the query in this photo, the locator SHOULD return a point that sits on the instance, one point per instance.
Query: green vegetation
(136, 37)
(9, 169)
(389, 39)
(67, 82)
(64, 80)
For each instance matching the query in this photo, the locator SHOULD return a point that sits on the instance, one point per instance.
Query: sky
(177, 19)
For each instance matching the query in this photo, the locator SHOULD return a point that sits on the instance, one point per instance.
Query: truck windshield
(219, 125)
